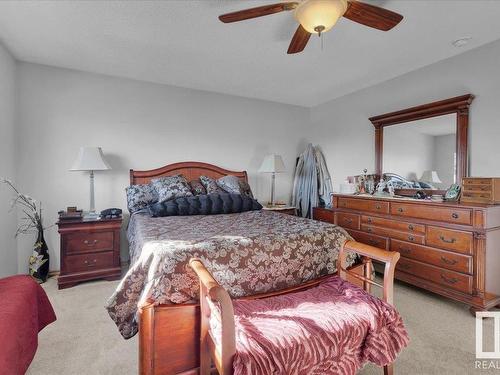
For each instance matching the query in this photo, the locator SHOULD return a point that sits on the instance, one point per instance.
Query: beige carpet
(84, 340)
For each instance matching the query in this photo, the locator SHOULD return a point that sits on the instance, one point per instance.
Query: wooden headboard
(189, 169)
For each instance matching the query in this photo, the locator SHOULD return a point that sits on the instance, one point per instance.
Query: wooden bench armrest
(389, 258)
(210, 288)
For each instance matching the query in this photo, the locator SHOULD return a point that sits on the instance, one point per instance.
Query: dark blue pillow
(210, 204)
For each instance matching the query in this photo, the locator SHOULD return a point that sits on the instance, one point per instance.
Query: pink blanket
(24, 311)
(330, 329)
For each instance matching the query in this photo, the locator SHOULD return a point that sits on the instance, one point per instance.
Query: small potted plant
(32, 222)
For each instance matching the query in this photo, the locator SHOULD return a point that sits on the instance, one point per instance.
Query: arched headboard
(189, 169)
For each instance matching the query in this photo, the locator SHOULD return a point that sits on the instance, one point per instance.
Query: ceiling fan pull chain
(321, 37)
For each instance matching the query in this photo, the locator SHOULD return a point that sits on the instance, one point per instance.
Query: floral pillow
(140, 197)
(210, 185)
(197, 188)
(171, 187)
(234, 185)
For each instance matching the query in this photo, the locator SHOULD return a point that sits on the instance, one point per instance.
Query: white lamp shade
(272, 164)
(320, 13)
(431, 176)
(90, 159)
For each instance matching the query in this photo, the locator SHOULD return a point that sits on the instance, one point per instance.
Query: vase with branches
(31, 222)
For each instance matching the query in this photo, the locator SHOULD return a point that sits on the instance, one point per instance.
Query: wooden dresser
(89, 250)
(452, 249)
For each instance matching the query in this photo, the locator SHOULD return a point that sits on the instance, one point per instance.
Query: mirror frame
(459, 105)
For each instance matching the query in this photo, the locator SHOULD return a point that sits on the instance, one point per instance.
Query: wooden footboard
(169, 334)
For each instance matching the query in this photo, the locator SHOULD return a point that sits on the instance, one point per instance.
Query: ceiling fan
(319, 16)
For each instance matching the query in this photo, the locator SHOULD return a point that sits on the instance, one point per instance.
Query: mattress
(248, 253)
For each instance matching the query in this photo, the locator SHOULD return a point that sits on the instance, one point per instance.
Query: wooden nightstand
(288, 210)
(89, 250)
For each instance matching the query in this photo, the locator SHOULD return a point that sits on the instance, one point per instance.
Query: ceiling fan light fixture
(322, 15)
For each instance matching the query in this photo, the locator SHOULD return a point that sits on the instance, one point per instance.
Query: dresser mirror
(424, 147)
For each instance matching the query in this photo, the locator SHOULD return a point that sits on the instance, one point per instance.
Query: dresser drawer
(393, 224)
(88, 262)
(450, 239)
(440, 258)
(82, 242)
(476, 181)
(370, 239)
(323, 214)
(478, 188)
(449, 279)
(364, 205)
(474, 196)
(410, 237)
(346, 220)
(448, 214)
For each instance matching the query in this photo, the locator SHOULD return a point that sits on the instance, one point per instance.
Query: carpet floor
(84, 340)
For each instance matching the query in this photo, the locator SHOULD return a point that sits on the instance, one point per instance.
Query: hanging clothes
(325, 187)
(312, 183)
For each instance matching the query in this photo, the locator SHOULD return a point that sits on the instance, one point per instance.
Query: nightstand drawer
(82, 242)
(88, 262)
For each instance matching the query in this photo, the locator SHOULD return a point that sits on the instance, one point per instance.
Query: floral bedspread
(248, 253)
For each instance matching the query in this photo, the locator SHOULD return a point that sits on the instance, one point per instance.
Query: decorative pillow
(171, 187)
(140, 197)
(210, 204)
(234, 185)
(210, 185)
(197, 188)
(245, 189)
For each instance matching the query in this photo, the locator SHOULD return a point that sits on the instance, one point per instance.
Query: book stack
(70, 215)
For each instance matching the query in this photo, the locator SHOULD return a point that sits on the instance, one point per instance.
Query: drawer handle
(454, 215)
(400, 209)
(369, 230)
(348, 220)
(411, 238)
(90, 243)
(378, 207)
(449, 280)
(451, 240)
(451, 262)
(374, 242)
(410, 227)
(369, 220)
(90, 264)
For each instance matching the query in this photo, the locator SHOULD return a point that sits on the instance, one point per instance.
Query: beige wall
(139, 125)
(8, 256)
(342, 128)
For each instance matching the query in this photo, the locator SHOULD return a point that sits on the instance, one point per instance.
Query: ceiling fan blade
(372, 16)
(299, 40)
(257, 12)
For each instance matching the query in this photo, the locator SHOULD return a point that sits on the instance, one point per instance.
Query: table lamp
(272, 164)
(431, 177)
(90, 159)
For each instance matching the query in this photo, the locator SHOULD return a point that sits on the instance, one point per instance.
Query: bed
(255, 252)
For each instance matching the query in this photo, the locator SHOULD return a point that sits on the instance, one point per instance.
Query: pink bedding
(330, 329)
(25, 310)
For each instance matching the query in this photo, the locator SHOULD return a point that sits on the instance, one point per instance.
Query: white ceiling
(182, 43)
